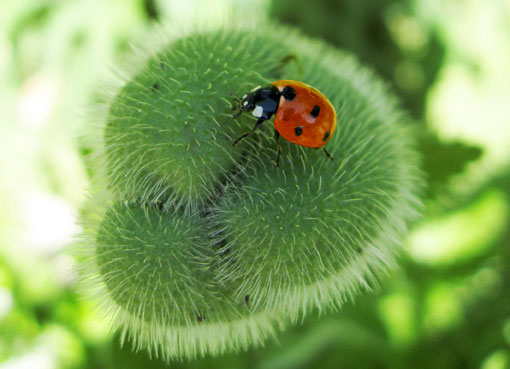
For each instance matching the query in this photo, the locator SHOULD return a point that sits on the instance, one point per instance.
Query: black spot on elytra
(298, 130)
(315, 111)
(326, 135)
(289, 93)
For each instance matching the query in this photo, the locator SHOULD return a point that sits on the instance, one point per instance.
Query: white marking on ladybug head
(255, 89)
(245, 103)
(245, 96)
(257, 112)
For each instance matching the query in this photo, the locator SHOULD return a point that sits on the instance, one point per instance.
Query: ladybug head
(262, 102)
(244, 104)
(247, 102)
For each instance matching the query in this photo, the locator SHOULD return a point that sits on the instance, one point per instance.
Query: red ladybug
(303, 115)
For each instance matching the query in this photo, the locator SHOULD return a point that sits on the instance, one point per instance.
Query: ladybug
(303, 115)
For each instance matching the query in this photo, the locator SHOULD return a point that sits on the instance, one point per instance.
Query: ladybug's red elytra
(303, 115)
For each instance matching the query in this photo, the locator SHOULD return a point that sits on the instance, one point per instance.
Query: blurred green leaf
(443, 160)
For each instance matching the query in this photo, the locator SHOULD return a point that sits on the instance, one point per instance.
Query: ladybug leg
(278, 147)
(328, 154)
(244, 135)
(238, 113)
(236, 106)
(285, 61)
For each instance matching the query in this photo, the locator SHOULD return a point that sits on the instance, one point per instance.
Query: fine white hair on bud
(157, 284)
(194, 246)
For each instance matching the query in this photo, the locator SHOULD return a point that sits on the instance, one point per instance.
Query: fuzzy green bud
(202, 246)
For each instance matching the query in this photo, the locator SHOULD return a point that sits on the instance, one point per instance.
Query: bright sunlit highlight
(49, 222)
(462, 234)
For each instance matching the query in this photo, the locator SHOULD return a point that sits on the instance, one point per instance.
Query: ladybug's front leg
(244, 135)
(237, 113)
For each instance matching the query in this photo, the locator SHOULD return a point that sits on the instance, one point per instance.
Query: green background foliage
(447, 306)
